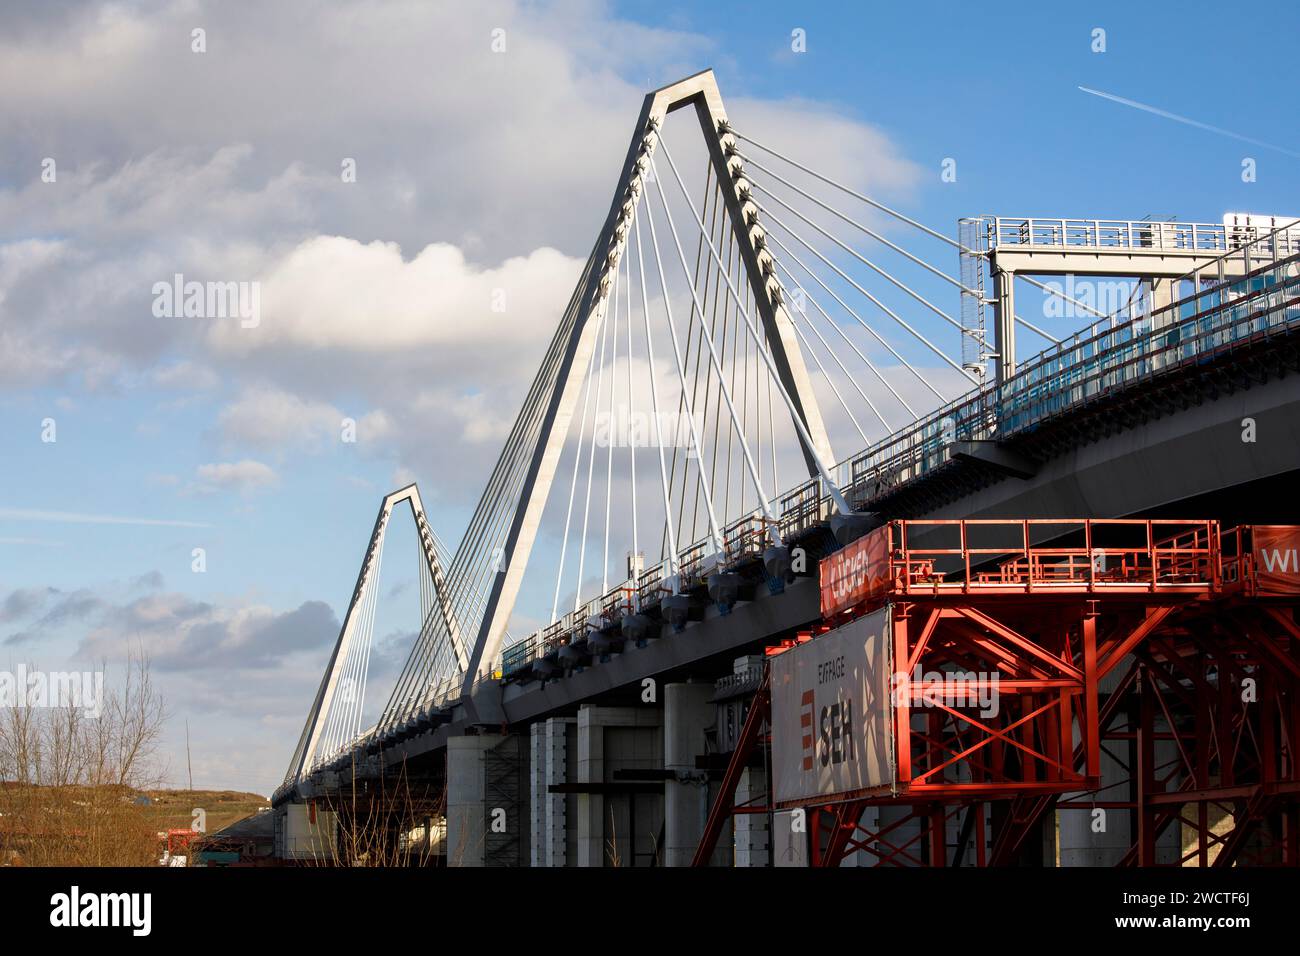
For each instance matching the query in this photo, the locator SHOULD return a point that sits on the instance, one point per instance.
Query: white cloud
(185, 375)
(476, 172)
(337, 293)
(271, 418)
(245, 477)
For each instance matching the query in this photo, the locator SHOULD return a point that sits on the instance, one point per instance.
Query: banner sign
(832, 716)
(1277, 558)
(855, 572)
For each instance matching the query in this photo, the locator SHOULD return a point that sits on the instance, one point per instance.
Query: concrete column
(537, 794)
(687, 711)
(753, 841)
(597, 759)
(310, 833)
(790, 838)
(557, 771)
(466, 799)
(870, 820)
(907, 834)
(1102, 839)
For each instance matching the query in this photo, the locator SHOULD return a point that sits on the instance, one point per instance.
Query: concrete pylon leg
(687, 711)
(467, 799)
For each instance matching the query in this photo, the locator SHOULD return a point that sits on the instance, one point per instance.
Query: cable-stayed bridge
(672, 481)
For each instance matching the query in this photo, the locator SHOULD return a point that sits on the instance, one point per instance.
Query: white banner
(832, 716)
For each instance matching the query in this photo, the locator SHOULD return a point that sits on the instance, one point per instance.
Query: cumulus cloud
(245, 477)
(337, 293)
(184, 634)
(23, 602)
(58, 608)
(451, 215)
(185, 374)
(417, 300)
(265, 417)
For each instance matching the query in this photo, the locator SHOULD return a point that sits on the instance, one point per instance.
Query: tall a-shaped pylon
(559, 383)
(334, 719)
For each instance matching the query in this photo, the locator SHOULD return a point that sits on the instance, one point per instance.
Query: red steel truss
(1169, 645)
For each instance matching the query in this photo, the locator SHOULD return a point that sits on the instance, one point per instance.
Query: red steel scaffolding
(1169, 645)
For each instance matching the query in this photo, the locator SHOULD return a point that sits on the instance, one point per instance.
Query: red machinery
(1117, 634)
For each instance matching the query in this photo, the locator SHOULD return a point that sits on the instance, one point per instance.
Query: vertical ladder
(974, 351)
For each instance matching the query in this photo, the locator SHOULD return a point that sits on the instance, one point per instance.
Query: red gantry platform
(1172, 645)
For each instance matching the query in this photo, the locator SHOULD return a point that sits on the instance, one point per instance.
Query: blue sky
(997, 89)
(176, 434)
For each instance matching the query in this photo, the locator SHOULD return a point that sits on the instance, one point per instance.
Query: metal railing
(1113, 353)
(1206, 237)
(997, 555)
(1106, 357)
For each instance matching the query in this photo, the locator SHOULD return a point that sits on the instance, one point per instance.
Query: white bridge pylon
(782, 298)
(577, 339)
(334, 721)
(763, 316)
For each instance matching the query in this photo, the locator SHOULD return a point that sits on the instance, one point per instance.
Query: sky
(197, 500)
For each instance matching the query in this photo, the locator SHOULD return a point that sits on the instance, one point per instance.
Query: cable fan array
(337, 718)
(715, 350)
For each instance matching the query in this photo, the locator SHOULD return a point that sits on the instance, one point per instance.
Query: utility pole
(189, 768)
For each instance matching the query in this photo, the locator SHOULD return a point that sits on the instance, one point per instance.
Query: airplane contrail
(31, 514)
(1190, 122)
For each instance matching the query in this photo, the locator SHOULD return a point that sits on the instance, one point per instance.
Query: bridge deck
(1094, 366)
(1099, 366)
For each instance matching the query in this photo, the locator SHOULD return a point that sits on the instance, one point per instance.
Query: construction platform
(1170, 647)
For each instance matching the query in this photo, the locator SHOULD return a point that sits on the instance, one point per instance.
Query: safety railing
(694, 563)
(919, 449)
(1111, 354)
(650, 586)
(1205, 237)
(1001, 556)
(802, 508)
(1107, 357)
(745, 538)
(617, 603)
(518, 656)
(1262, 561)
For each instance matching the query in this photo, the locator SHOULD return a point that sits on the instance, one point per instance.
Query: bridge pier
(554, 742)
(1086, 838)
(467, 804)
(619, 819)
(753, 837)
(687, 711)
(307, 832)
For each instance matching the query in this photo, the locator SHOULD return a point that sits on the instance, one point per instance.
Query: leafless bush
(383, 825)
(68, 780)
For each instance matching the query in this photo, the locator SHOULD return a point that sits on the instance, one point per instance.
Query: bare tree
(69, 776)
